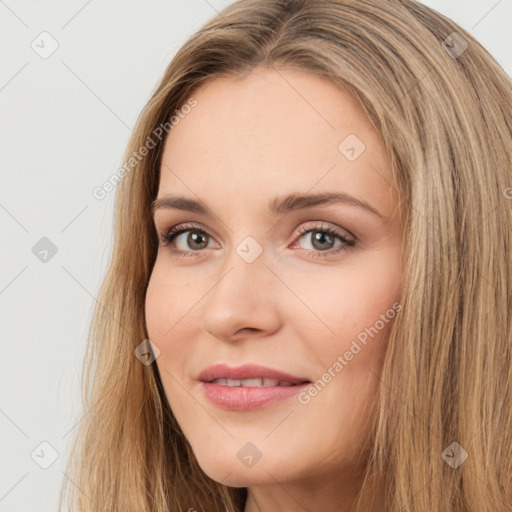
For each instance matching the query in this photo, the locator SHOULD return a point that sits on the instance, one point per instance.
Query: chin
(234, 474)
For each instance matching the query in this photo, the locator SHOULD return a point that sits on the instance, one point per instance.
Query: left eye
(324, 239)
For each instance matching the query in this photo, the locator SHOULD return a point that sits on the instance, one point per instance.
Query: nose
(243, 300)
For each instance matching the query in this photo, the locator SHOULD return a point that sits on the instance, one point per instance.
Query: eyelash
(173, 232)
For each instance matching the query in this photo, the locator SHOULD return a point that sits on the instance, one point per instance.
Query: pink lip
(246, 398)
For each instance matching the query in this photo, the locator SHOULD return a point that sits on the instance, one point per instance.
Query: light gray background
(64, 124)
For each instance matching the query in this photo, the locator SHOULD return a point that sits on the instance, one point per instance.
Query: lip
(243, 398)
(247, 398)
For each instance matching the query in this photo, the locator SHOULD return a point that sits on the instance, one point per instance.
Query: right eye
(195, 240)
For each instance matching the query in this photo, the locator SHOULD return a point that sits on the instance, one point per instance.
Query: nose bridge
(242, 296)
(243, 274)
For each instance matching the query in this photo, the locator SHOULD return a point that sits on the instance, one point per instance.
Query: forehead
(273, 130)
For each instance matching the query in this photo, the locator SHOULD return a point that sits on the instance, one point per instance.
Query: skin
(247, 141)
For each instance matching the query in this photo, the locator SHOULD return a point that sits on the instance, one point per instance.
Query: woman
(263, 369)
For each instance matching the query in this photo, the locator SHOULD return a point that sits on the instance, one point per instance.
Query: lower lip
(241, 398)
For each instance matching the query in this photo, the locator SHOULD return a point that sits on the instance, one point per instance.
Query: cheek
(171, 319)
(167, 301)
(155, 304)
(345, 301)
(357, 306)
(163, 309)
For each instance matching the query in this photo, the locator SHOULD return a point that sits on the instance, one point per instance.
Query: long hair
(443, 107)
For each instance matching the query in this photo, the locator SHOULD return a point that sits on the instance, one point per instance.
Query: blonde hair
(446, 120)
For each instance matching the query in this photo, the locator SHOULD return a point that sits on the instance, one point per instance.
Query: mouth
(249, 375)
(248, 387)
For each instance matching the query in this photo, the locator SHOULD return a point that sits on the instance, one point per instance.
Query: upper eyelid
(321, 224)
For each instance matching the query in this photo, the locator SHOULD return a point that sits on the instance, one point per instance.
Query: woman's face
(258, 284)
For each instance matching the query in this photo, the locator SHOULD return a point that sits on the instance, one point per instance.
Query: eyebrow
(276, 206)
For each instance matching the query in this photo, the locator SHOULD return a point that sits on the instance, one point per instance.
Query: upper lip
(246, 371)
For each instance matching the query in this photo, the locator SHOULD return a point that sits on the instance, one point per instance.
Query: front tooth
(233, 382)
(270, 382)
(251, 382)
